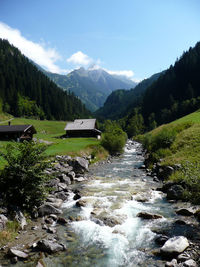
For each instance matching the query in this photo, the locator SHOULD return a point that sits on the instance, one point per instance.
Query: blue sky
(134, 37)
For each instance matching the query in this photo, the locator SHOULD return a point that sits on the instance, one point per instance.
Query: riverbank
(112, 216)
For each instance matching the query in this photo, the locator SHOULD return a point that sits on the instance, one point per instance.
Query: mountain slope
(92, 86)
(26, 91)
(120, 102)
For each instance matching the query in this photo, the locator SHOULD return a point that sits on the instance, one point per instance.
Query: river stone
(172, 263)
(175, 192)
(51, 230)
(174, 246)
(15, 252)
(20, 219)
(62, 220)
(3, 221)
(56, 202)
(161, 239)
(185, 212)
(189, 263)
(62, 195)
(65, 179)
(77, 196)
(148, 216)
(72, 175)
(81, 203)
(80, 165)
(49, 246)
(47, 209)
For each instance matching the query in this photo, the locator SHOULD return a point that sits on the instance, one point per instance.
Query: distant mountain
(92, 86)
(26, 91)
(120, 102)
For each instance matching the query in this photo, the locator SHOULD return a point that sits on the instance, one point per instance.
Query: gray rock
(80, 165)
(47, 209)
(56, 202)
(49, 246)
(62, 195)
(65, 179)
(54, 182)
(3, 221)
(81, 203)
(172, 263)
(175, 192)
(20, 219)
(51, 230)
(190, 263)
(185, 212)
(183, 257)
(148, 216)
(61, 186)
(18, 253)
(79, 179)
(72, 175)
(62, 220)
(174, 246)
(161, 239)
(66, 169)
(77, 196)
(14, 260)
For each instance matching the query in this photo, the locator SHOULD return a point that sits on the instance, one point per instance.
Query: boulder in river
(50, 246)
(175, 192)
(80, 165)
(174, 246)
(172, 263)
(149, 216)
(47, 209)
(189, 263)
(17, 253)
(185, 212)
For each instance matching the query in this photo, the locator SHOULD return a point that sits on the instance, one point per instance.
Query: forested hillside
(26, 91)
(177, 92)
(120, 102)
(170, 96)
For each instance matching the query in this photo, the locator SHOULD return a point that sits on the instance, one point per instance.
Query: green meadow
(51, 133)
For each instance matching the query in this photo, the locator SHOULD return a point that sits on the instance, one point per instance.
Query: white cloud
(127, 73)
(79, 58)
(46, 57)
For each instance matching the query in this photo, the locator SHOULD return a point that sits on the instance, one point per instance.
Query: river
(107, 231)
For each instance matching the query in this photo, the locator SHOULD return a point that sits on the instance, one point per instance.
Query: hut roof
(86, 124)
(16, 128)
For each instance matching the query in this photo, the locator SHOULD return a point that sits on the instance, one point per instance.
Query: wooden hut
(17, 132)
(82, 128)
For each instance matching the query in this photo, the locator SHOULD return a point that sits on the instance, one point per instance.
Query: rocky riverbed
(116, 214)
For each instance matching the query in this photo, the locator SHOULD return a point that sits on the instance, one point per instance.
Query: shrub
(22, 181)
(114, 140)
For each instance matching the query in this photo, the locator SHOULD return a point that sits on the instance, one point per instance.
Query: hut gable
(82, 128)
(16, 132)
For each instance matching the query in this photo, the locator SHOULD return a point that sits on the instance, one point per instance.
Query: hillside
(177, 144)
(26, 91)
(177, 92)
(120, 102)
(92, 86)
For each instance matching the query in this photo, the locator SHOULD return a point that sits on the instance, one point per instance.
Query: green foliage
(22, 181)
(189, 174)
(114, 138)
(135, 125)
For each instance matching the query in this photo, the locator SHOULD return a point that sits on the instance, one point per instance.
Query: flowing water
(108, 231)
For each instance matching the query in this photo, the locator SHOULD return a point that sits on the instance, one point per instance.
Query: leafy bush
(22, 181)
(114, 139)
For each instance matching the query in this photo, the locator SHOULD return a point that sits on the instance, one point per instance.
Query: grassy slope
(186, 146)
(51, 131)
(184, 150)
